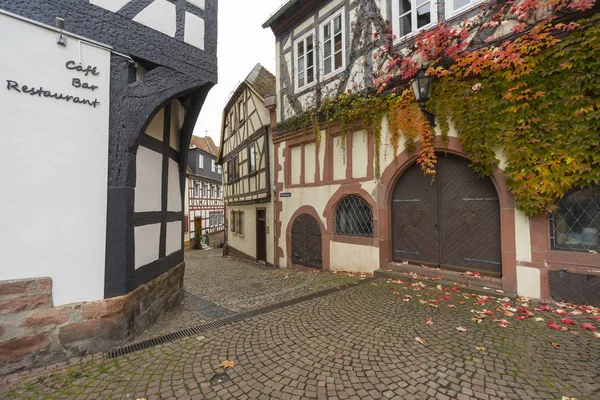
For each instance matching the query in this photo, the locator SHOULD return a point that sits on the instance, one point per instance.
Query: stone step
(443, 277)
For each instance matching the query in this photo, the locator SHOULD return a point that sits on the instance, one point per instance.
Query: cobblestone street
(381, 339)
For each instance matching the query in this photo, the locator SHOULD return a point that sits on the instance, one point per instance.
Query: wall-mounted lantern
(422, 86)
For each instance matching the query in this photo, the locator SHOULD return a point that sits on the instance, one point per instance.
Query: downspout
(271, 104)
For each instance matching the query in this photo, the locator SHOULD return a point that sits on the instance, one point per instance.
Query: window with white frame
(204, 191)
(218, 192)
(212, 192)
(219, 170)
(231, 124)
(200, 161)
(332, 40)
(412, 15)
(304, 61)
(196, 190)
(213, 166)
(456, 6)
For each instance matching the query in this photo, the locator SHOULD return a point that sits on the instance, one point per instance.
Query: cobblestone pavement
(216, 287)
(359, 343)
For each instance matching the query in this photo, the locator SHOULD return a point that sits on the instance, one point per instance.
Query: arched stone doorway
(306, 242)
(453, 222)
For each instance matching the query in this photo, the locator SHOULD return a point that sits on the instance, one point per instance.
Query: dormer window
(410, 16)
(332, 39)
(304, 61)
(200, 161)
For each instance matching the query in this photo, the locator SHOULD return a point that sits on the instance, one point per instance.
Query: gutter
(279, 13)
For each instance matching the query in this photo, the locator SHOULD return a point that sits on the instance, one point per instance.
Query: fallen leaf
(568, 398)
(480, 348)
(545, 308)
(429, 321)
(451, 305)
(508, 314)
(539, 319)
(420, 340)
(597, 335)
(553, 325)
(560, 312)
(500, 291)
(567, 321)
(227, 364)
(462, 302)
(574, 332)
(461, 329)
(589, 327)
(596, 317)
(554, 344)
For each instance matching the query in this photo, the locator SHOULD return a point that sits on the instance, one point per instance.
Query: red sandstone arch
(405, 159)
(324, 236)
(329, 213)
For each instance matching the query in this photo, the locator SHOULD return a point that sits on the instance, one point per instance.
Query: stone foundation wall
(34, 333)
(216, 238)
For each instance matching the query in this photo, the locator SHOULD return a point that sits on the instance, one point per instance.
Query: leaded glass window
(354, 217)
(575, 225)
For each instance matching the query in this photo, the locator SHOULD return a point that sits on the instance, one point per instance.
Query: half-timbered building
(204, 207)
(333, 211)
(247, 167)
(104, 96)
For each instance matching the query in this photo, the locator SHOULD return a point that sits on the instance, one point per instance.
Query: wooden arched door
(306, 242)
(453, 222)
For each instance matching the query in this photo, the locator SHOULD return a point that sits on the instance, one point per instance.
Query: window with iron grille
(575, 225)
(354, 217)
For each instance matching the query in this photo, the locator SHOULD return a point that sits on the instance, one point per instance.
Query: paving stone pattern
(216, 287)
(354, 344)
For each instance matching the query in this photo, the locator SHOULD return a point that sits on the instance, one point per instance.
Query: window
(233, 169)
(200, 161)
(215, 219)
(456, 6)
(231, 124)
(219, 170)
(411, 15)
(332, 38)
(196, 190)
(213, 192)
(213, 166)
(241, 111)
(218, 192)
(575, 225)
(204, 191)
(237, 222)
(354, 217)
(304, 56)
(252, 158)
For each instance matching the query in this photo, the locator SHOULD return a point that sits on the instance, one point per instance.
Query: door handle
(436, 227)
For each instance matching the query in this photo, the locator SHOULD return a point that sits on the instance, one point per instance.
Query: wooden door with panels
(453, 222)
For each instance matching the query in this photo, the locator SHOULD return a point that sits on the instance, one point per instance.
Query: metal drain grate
(146, 344)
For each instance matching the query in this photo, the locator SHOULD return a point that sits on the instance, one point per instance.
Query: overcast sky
(242, 43)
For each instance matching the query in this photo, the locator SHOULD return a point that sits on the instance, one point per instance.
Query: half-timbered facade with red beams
(333, 211)
(204, 206)
(247, 167)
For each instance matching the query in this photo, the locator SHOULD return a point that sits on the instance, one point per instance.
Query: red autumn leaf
(595, 317)
(589, 327)
(447, 298)
(560, 312)
(456, 289)
(553, 325)
(521, 317)
(545, 308)
(567, 321)
(488, 312)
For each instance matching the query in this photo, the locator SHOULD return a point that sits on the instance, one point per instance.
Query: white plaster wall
(310, 165)
(177, 116)
(197, 3)
(330, 6)
(360, 154)
(296, 154)
(173, 242)
(174, 188)
(147, 241)
(246, 243)
(354, 258)
(156, 127)
(309, 22)
(159, 15)
(148, 187)
(194, 31)
(54, 163)
(110, 5)
(522, 236)
(528, 282)
(186, 208)
(339, 158)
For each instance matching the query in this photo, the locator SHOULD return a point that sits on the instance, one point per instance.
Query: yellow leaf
(480, 348)
(227, 364)
(420, 340)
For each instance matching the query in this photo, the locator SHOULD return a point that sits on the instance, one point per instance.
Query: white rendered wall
(54, 163)
(148, 185)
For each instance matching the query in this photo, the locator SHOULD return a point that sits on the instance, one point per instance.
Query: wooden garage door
(453, 223)
(306, 242)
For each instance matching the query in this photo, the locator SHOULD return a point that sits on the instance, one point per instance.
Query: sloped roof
(262, 80)
(205, 144)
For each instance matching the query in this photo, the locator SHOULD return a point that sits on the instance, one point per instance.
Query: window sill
(411, 36)
(454, 15)
(333, 74)
(562, 258)
(355, 240)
